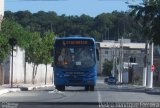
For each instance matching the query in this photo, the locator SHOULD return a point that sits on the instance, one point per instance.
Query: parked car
(106, 79)
(112, 80)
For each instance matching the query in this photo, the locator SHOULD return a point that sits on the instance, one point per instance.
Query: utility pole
(108, 33)
(145, 65)
(120, 61)
(150, 73)
(12, 42)
(102, 37)
(114, 61)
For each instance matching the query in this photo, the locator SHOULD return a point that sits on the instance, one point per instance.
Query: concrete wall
(125, 77)
(40, 77)
(6, 70)
(23, 70)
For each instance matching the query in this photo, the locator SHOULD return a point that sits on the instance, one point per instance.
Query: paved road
(76, 97)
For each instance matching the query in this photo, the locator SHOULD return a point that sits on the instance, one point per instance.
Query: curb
(35, 87)
(3, 91)
(7, 90)
(152, 91)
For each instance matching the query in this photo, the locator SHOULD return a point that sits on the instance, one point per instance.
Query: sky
(69, 7)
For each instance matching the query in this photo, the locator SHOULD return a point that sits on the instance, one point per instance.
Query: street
(77, 97)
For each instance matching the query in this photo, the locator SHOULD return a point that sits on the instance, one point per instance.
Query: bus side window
(97, 54)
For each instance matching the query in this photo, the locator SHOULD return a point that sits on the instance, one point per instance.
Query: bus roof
(74, 40)
(75, 37)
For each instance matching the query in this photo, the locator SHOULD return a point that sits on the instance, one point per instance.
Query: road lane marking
(99, 99)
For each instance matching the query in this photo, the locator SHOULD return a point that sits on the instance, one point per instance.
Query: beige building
(131, 54)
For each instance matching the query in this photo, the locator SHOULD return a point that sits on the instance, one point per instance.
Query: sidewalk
(21, 87)
(154, 90)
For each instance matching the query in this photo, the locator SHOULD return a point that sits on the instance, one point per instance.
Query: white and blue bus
(75, 60)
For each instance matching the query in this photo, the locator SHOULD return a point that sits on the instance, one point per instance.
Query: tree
(37, 47)
(38, 51)
(4, 47)
(148, 16)
(112, 25)
(103, 23)
(23, 17)
(12, 29)
(47, 45)
(34, 53)
(107, 67)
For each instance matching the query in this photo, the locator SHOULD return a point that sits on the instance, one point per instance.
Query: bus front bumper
(75, 82)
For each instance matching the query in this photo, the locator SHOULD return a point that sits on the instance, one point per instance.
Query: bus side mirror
(97, 53)
(52, 52)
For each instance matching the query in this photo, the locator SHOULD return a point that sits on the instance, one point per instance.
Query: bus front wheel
(60, 87)
(89, 88)
(86, 88)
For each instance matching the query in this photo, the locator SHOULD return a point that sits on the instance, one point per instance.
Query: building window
(132, 60)
(106, 52)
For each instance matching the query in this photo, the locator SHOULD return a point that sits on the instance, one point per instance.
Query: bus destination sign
(74, 42)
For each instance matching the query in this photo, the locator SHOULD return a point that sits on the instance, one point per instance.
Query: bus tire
(86, 88)
(91, 87)
(60, 88)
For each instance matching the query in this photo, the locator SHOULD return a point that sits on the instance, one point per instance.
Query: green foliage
(4, 47)
(148, 15)
(11, 29)
(107, 67)
(37, 47)
(33, 51)
(47, 43)
(112, 25)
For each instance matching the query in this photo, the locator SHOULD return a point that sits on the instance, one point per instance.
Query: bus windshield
(71, 57)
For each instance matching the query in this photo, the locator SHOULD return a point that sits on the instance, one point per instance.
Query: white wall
(40, 77)
(19, 69)
(18, 65)
(125, 77)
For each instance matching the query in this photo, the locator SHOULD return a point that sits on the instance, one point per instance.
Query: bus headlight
(59, 75)
(90, 74)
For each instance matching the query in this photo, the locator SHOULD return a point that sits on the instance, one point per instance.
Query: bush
(107, 67)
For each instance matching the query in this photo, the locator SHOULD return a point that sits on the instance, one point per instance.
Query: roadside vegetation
(35, 32)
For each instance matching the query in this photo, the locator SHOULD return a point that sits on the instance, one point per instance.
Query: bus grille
(75, 81)
(75, 77)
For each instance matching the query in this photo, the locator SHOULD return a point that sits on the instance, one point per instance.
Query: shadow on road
(51, 105)
(120, 90)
